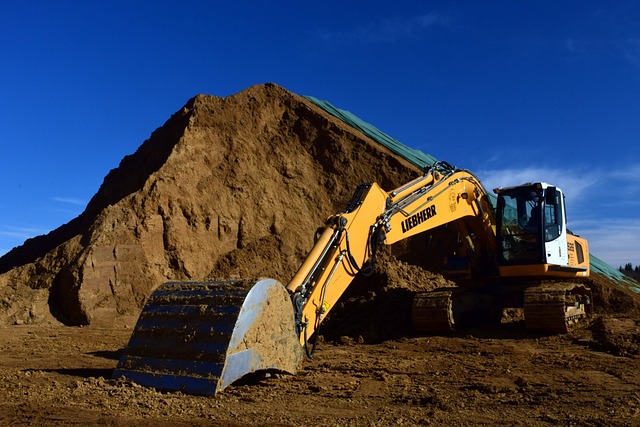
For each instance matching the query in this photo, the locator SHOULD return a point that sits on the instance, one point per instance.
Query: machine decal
(418, 218)
(453, 200)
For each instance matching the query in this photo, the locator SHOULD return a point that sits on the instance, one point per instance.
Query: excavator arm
(348, 242)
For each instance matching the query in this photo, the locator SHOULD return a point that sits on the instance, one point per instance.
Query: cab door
(554, 227)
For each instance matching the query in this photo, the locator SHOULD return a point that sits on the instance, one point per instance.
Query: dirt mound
(612, 296)
(228, 187)
(618, 336)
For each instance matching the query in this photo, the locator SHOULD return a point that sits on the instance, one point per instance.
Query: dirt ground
(491, 376)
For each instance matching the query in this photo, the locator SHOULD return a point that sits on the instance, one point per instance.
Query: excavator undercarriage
(549, 308)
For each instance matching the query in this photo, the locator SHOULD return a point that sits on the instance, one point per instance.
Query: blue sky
(513, 91)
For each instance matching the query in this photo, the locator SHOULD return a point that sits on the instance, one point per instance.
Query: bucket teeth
(199, 337)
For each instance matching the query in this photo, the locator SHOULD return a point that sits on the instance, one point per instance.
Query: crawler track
(432, 312)
(555, 307)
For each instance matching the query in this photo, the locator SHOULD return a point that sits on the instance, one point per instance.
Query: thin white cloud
(615, 241)
(630, 172)
(580, 183)
(631, 50)
(627, 49)
(20, 232)
(574, 182)
(15, 235)
(584, 48)
(386, 30)
(70, 200)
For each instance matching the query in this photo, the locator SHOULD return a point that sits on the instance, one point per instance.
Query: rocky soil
(495, 376)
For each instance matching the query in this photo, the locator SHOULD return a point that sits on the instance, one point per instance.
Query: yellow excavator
(199, 337)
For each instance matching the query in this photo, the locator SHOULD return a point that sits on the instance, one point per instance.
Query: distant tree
(627, 267)
(631, 271)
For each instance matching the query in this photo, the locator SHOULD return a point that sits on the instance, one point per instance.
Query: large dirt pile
(227, 188)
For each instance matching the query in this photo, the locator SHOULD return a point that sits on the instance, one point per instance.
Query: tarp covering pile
(416, 157)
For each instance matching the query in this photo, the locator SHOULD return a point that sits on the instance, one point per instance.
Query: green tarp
(599, 266)
(421, 160)
(416, 157)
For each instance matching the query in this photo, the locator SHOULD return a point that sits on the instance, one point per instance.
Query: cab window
(552, 215)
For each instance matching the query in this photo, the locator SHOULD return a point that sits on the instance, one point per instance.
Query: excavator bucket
(199, 337)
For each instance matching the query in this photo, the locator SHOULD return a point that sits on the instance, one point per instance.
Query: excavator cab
(532, 237)
(519, 225)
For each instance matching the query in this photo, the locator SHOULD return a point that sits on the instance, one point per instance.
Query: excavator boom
(349, 241)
